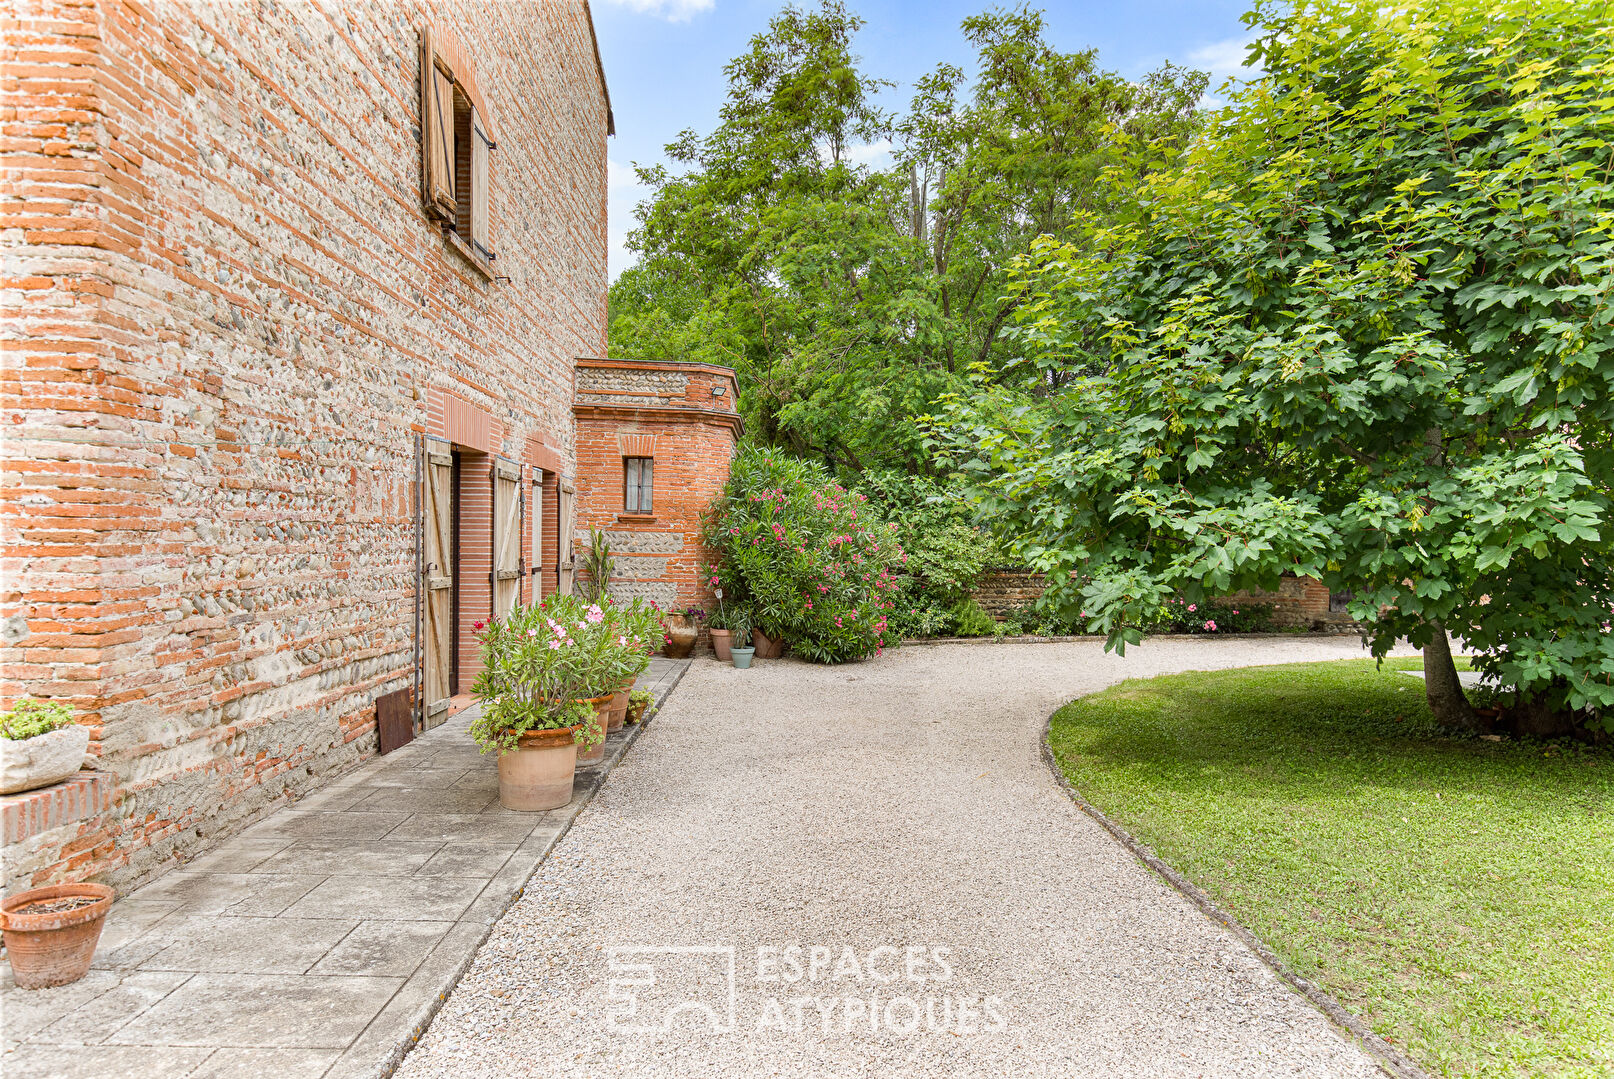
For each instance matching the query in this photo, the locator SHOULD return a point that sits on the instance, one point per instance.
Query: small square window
(636, 496)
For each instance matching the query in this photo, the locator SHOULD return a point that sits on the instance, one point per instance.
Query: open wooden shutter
(566, 560)
(438, 571)
(480, 147)
(506, 536)
(436, 129)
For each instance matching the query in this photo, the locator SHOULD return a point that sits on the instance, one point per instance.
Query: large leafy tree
(849, 296)
(1365, 331)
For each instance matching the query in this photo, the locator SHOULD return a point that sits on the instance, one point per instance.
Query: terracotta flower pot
(767, 647)
(681, 634)
(538, 773)
(600, 722)
(54, 948)
(636, 711)
(619, 708)
(721, 638)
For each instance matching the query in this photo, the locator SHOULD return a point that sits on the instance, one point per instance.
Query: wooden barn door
(507, 507)
(438, 584)
(566, 560)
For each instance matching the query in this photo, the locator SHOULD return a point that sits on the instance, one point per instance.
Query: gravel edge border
(1390, 1059)
(428, 1011)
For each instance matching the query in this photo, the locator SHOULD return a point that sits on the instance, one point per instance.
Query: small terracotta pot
(636, 711)
(601, 722)
(538, 773)
(681, 635)
(767, 647)
(721, 639)
(619, 708)
(54, 949)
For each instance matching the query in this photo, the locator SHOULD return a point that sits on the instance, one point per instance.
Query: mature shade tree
(850, 296)
(1363, 332)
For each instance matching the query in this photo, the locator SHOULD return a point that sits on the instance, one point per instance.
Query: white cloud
(1224, 60)
(671, 10)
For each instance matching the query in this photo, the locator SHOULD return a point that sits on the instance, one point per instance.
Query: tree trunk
(1442, 686)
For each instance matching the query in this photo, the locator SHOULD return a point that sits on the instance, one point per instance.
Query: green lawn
(1456, 894)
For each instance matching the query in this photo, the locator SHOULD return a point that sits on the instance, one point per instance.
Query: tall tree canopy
(850, 297)
(1364, 331)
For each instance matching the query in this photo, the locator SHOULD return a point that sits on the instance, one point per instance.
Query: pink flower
(809, 605)
(478, 625)
(554, 643)
(1235, 612)
(622, 640)
(1211, 626)
(594, 615)
(532, 633)
(1193, 606)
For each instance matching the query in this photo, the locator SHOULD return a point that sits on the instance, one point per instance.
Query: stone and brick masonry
(227, 319)
(1299, 601)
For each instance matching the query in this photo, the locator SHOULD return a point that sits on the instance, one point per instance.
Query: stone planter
(30, 763)
(601, 722)
(49, 947)
(767, 647)
(681, 635)
(721, 638)
(538, 773)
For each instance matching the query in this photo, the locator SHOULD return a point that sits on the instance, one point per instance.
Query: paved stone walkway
(869, 816)
(315, 943)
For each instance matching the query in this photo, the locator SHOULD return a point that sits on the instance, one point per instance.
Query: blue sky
(664, 58)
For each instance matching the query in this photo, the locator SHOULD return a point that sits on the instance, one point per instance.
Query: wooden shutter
(480, 145)
(565, 561)
(436, 129)
(506, 537)
(438, 571)
(537, 496)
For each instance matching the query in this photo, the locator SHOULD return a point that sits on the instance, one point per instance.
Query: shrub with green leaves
(947, 550)
(30, 718)
(1365, 332)
(806, 558)
(1213, 616)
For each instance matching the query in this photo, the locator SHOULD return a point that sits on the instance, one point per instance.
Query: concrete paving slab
(244, 945)
(447, 799)
(353, 857)
(255, 894)
(339, 824)
(236, 1063)
(89, 1024)
(105, 1062)
(391, 898)
(261, 1010)
(465, 827)
(466, 860)
(386, 948)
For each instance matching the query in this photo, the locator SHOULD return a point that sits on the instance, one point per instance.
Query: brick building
(293, 300)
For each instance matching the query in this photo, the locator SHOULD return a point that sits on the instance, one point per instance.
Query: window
(636, 476)
(455, 144)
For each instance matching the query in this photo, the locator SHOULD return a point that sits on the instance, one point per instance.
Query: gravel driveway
(903, 888)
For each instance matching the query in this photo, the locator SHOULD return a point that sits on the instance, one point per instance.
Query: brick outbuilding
(293, 299)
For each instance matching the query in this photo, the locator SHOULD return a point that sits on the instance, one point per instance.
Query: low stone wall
(1299, 601)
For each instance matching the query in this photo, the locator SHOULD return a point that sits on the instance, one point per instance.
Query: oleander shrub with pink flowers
(540, 660)
(806, 558)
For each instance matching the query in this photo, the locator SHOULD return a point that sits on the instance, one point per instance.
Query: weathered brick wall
(225, 312)
(668, 412)
(1003, 588)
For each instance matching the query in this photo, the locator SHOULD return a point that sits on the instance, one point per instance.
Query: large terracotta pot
(681, 635)
(601, 722)
(619, 707)
(767, 647)
(538, 773)
(49, 949)
(721, 639)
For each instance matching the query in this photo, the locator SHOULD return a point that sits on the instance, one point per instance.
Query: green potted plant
(548, 675)
(638, 702)
(740, 650)
(39, 745)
